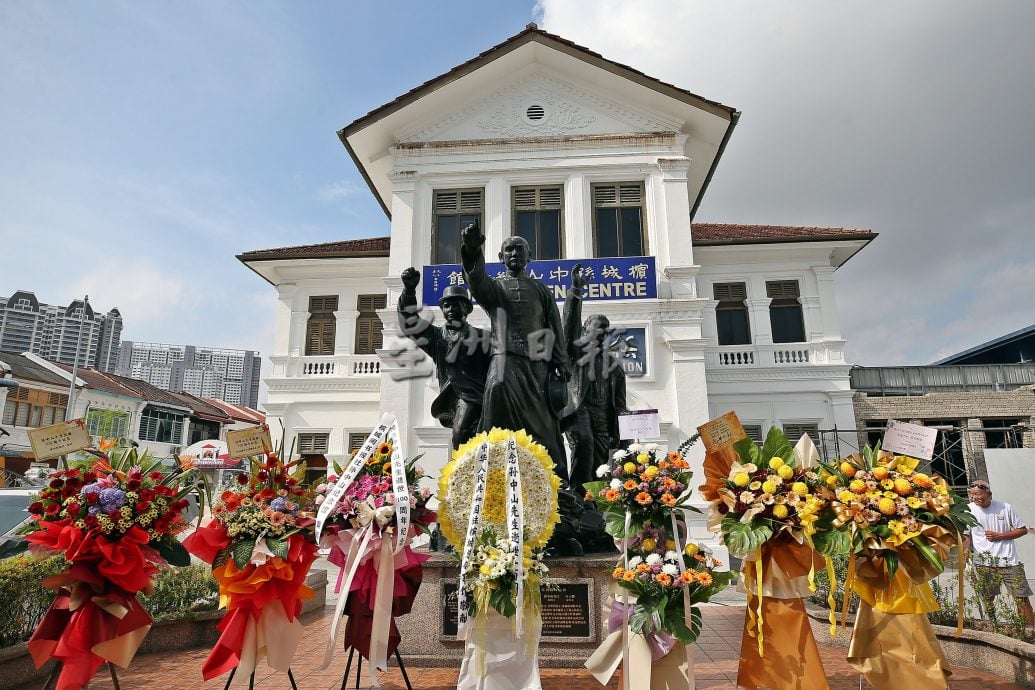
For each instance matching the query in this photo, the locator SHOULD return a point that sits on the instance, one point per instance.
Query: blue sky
(145, 144)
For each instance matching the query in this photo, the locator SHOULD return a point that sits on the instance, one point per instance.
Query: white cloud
(912, 119)
(335, 191)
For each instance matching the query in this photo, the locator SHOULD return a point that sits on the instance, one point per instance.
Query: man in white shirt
(995, 552)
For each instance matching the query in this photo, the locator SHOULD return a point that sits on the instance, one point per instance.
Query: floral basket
(498, 508)
(260, 546)
(659, 581)
(115, 520)
(767, 510)
(898, 526)
(361, 524)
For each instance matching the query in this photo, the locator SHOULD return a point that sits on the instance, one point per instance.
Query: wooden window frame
(619, 203)
(313, 442)
(369, 336)
(537, 207)
(321, 326)
(460, 209)
(729, 294)
(785, 295)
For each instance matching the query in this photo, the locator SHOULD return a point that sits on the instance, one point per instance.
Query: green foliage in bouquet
(767, 493)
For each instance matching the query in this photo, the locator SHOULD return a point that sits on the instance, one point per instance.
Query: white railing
(791, 356)
(329, 366)
(338, 366)
(760, 356)
(365, 365)
(736, 358)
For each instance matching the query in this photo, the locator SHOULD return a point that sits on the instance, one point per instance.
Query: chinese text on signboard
(609, 278)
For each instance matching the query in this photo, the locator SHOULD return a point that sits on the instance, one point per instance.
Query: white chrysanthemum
(616, 484)
(671, 556)
(619, 454)
(603, 470)
(635, 561)
(538, 488)
(670, 569)
(652, 447)
(653, 559)
(635, 447)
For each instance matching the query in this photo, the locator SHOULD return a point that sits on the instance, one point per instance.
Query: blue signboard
(626, 277)
(630, 347)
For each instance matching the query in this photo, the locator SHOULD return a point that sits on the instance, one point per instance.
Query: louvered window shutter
(618, 219)
(452, 211)
(319, 337)
(369, 338)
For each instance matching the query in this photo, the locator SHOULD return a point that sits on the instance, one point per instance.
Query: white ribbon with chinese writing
(687, 609)
(473, 527)
(516, 529)
(351, 471)
(385, 592)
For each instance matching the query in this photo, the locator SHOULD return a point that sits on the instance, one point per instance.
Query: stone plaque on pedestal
(568, 610)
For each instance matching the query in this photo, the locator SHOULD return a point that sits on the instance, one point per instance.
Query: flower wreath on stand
(898, 526)
(115, 520)
(260, 546)
(766, 508)
(651, 630)
(380, 583)
(498, 508)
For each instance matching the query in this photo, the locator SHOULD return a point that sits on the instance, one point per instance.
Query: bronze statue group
(534, 370)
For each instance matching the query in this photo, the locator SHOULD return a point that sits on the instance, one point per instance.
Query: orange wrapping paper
(791, 658)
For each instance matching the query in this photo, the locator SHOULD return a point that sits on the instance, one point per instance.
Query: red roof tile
(705, 234)
(238, 412)
(371, 246)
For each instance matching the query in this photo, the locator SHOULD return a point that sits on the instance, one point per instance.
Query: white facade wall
(470, 134)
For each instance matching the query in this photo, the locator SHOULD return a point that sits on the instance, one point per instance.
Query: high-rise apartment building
(57, 333)
(207, 372)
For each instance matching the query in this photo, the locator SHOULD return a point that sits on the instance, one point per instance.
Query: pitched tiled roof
(24, 368)
(145, 391)
(371, 246)
(238, 412)
(707, 234)
(531, 32)
(98, 380)
(203, 408)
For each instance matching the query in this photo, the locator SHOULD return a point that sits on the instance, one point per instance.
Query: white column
(827, 301)
(758, 312)
(578, 222)
(496, 216)
(344, 331)
(282, 318)
(397, 396)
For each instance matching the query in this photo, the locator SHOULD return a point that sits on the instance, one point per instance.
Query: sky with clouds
(146, 144)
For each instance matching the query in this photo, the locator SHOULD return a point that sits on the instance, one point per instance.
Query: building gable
(538, 104)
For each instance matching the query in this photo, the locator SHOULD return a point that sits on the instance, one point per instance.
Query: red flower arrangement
(260, 546)
(115, 521)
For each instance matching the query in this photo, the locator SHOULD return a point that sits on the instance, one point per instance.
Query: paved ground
(716, 657)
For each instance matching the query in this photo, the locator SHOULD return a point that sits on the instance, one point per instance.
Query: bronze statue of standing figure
(526, 387)
(458, 350)
(596, 389)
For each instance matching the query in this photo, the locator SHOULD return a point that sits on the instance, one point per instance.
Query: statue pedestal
(572, 614)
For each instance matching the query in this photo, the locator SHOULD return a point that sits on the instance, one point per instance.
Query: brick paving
(716, 655)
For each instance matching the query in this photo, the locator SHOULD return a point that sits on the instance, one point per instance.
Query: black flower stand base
(359, 667)
(251, 680)
(52, 678)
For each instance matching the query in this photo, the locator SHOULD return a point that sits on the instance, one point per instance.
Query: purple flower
(282, 505)
(90, 489)
(112, 499)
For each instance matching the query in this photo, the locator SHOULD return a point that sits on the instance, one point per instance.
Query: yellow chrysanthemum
(780, 511)
(629, 468)
(847, 469)
(775, 463)
(858, 486)
(886, 506)
(456, 487)
(769, 486)
(903, 487)
(800, 488)
(741, 479)
(785, 471)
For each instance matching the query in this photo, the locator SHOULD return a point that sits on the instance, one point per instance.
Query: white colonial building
(588, 159)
